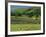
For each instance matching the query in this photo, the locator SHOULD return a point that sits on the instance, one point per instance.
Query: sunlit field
(24, 24)
(24, 27)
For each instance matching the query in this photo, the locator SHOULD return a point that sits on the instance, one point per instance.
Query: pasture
(24, 24)
(25, 27)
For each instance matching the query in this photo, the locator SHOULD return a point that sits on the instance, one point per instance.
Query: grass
(25, 27)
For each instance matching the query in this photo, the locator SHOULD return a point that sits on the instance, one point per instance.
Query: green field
(24, 27)
(23, 23)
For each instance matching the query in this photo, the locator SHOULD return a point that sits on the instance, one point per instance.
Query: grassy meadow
(24, 27)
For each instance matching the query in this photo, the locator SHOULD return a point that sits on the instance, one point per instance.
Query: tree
(37, 12)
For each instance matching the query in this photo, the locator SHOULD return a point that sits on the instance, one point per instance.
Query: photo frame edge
(6, 18)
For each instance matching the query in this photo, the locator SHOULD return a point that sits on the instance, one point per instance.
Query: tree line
(35, 11)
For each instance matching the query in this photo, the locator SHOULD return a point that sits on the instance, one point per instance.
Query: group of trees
(35, 11)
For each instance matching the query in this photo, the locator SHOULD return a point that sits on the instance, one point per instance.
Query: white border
(25, 32)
